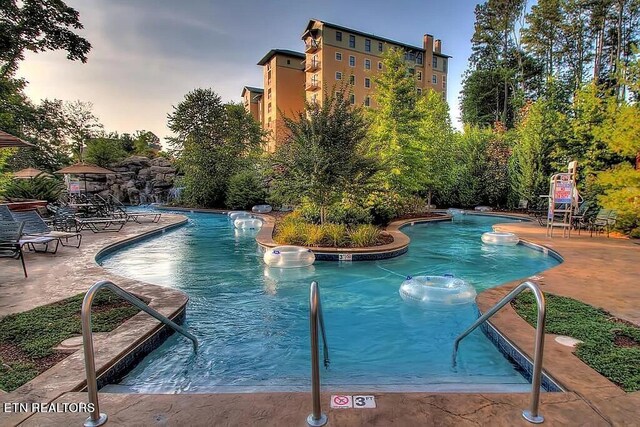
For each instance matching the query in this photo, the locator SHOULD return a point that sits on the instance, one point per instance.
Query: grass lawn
(611, 346)
(27, 339)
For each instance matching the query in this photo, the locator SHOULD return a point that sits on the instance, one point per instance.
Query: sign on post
(74, 187)
(563, 189)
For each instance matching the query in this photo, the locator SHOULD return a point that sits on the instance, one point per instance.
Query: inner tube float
(239, 214)
(483, 209)
(261, 209)
(289, 257)
(251, 223)
(437, 291)
(500, 238)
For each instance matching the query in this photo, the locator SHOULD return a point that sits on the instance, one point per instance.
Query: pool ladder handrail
(316, 319)
(531, 414)
(97, 418)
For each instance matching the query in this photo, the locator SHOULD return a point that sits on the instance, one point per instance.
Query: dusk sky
(147, 54)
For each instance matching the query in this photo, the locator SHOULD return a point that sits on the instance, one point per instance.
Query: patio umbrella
(8, 141)
(84, 169)
(29, 173)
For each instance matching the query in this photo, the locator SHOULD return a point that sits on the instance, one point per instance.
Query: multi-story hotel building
(335, 57)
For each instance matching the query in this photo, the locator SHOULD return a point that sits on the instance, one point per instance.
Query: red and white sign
(341, 402)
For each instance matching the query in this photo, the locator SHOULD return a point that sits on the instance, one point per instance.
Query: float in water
(500, 238)
(437, 291)
(244, 223)
(483, 209)
(239, 214)
(261, 209)
(289, 257)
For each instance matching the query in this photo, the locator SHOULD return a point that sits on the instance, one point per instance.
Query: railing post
(97, 418)
(316, 418)
(530, 414)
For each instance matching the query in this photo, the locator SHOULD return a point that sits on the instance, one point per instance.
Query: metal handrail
(97, 418)
(530, 414)
(316, 418)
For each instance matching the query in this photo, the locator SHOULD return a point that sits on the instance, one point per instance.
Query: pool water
(252, 321)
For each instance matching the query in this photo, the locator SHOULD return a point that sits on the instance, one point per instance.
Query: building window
(269, 94)
(379, 46)
(352, 41)
(338, 36)
(412, 71)
(444, 65)
(338, 56)
(419, 59)
(409, 56)
(379, 65)
(314, 80)
(419, 91)
(269, 108)
(314, 98)
(367, 45)
(435, 62)
(367, 64)
(352, 98)
(338, 75)
(419, 76)
(434, 79)
(288, 62)
(367, 102)
(367, 82)
(352, 61)
(352, 79)
(268, 66)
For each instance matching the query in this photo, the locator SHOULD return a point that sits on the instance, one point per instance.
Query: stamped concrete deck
(600, 271)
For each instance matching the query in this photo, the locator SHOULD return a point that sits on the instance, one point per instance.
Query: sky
(147, 54)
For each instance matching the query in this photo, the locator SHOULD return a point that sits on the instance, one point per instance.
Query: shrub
(38, 188)
(364, 235)
(335, 234)
(348, 213)
(314, 235)
(245, 190)
(383, 207)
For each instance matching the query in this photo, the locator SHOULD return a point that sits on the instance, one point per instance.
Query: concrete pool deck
(600, 271)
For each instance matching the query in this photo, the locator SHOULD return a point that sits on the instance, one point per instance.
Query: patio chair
(5, 213)
(581, 219)
(10, 232)
(101, 225)
(36, 227)
(604, 221)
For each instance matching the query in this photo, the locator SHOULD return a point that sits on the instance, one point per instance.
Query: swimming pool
(252, 322)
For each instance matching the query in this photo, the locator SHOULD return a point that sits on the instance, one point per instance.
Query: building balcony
(311, 46)
(312, 85)
(312, 66)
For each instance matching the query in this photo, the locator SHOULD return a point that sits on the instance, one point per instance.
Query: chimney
(437, 46)
(427, 43)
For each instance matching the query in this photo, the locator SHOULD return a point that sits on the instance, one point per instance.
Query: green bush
(38, 188)
(364, 235)
(383, 207)
(104, 151)
(348, 213)
(335, 234)
(245, 190)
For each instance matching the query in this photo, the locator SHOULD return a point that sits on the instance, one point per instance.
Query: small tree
(394, 132)
(324, 155)
(213, 142)
(104, 151)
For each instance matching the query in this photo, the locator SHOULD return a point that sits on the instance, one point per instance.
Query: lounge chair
(604, 221)
(10, 232)
(36, 228)
(5, 213)
(100, 225)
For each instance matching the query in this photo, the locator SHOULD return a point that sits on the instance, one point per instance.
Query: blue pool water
(252, 322)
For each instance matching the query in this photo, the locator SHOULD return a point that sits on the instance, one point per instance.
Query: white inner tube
(483, 208)
(437, 291)
(262, 208)
(289, 257)
(235, 215)
(453, 211)
(247, 223)
(499, 238)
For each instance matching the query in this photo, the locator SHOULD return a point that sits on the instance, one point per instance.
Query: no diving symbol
(341, 400)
